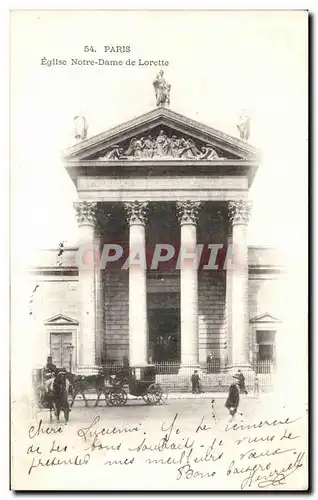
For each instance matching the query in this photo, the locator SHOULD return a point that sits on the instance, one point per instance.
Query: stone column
(239, 213)
(86, 348)
(138, 334)
(229, 294)
(99, 297)
(188, 214)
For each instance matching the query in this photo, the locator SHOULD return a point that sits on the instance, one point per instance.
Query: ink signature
(275, 477)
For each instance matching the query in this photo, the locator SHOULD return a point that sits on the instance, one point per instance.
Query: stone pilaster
(138, 335)
(237, 295)
(188, 215)
(86, 347)
(99, 298)
(228, 294)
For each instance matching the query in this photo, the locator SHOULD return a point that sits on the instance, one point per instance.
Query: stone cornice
(83, 168)
(69, 163)
(161, 116)
(54, 271)
(255, 272)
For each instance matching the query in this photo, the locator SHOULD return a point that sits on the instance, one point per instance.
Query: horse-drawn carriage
(54, 393)
(138, 382)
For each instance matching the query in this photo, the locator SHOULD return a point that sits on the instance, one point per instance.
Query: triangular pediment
(265, 318)
(61, 319)
(162, 134)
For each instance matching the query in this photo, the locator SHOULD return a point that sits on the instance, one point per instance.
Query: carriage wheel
(117, 397)
(153, 395)
(164, 397)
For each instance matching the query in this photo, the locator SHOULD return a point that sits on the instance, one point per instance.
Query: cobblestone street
(190, 410)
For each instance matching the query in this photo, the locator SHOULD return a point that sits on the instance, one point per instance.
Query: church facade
(162, 272)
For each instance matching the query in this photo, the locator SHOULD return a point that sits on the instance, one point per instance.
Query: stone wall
(264, 297)
(212, 316)
(52, 297)
(116, 300)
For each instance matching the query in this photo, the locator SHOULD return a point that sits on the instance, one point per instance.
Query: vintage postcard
(159, 179)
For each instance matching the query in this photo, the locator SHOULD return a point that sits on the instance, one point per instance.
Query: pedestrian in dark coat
(241, 382)
(195, 381)
(233, 399)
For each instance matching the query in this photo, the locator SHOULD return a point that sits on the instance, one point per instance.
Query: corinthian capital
(188, 211)
(136, 212)
(240, 211)
(85, 212)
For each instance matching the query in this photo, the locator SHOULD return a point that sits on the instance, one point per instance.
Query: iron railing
(175, 377)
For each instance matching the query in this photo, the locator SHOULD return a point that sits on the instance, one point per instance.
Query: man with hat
(233, 399)
(50, 367)
(49, 372)
(241, 383)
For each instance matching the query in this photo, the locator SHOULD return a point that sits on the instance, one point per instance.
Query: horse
(53, 395)
(60, 395)
(44, 397)
(81, 383)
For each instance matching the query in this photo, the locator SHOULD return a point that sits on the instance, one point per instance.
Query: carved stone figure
(244, 126)
(138, 147)
(162, 90)
(115, 154)
(148, 148)
(80, 128)
(174, 147)
(188, 149)
(162, 144)
(208, 153)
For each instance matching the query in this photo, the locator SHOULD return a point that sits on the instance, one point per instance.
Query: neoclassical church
(162, 187)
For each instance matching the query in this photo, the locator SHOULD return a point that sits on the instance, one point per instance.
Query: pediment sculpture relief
(162, 146)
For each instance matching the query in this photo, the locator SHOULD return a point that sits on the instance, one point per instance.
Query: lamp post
(70, 350)
(256, 350)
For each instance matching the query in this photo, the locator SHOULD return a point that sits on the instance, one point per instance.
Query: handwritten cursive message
(259, 455)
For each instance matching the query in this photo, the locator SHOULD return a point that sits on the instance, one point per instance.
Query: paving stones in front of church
(191, 407)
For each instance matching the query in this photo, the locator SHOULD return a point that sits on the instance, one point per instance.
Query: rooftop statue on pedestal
(162, 90)
(244, 126)
(80, 128)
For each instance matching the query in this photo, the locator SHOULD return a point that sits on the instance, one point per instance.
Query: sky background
(219, 63)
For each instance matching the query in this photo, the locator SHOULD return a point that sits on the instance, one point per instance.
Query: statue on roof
(80, 128)
(244, 126)
(162, 90)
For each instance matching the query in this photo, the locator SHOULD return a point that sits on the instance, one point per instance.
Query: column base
(87, 370)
